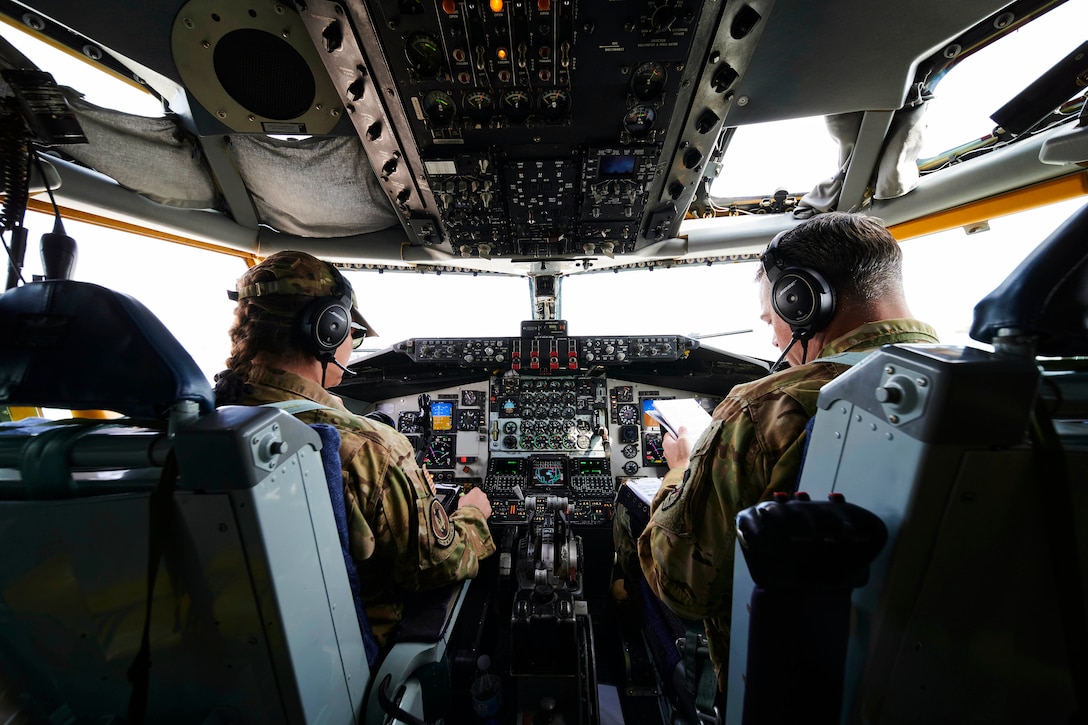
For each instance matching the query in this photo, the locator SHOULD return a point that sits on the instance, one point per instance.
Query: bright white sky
(946, 274)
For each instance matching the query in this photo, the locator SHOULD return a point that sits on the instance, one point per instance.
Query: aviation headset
(801, 296)
(325, 322)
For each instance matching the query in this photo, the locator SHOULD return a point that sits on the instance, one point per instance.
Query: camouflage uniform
(752, 449)
(399, 533)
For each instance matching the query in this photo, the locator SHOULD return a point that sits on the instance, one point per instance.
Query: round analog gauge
(639, 120)
(554, 104)
(630, 468)
(509, 427)
(479, 106)
(624, 394)
(630, 451)
(439, 452)
(470, 398)
(509, 442)
(468, 420)
(627, 414)
(582, 442)
(648, 80)
(424, 53)
(517, 105)
(439, 108)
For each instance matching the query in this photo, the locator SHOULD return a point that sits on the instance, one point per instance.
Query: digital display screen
(652, 454)
(590, 466)
(548, 472)
(613, 166)
(441, 415)
(648, 421)
(505, 466)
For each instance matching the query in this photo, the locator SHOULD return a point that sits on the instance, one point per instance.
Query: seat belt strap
(294, 407)
(847, 358)
(699, 675)
(160, 521)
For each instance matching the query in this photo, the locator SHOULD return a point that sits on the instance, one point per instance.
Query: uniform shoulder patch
(440, 524)
(673, 497)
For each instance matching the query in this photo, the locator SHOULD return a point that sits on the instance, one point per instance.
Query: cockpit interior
(162, 560)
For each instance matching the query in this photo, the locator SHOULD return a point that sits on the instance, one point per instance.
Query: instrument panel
(541, 416)
(539, 129)
(520, 436)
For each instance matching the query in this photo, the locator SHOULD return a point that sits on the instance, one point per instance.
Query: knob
(888, 394)
(898, 392)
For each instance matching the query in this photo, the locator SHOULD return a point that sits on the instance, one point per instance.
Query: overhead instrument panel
(535, 129)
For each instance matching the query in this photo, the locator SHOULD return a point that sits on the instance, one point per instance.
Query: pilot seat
(974, 460)
(178, 563)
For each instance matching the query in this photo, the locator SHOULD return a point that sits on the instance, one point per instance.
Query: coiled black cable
(14, 165)
(15, 184)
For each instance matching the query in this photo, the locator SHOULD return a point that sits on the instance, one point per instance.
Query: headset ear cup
(325, 324)
(804, 299)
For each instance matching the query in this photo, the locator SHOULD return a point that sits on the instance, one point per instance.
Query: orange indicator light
(496, 6)
(501, 52)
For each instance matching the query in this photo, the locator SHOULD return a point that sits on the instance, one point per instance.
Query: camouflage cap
(298, 273)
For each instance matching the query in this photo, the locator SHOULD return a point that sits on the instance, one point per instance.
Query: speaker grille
(264, 74)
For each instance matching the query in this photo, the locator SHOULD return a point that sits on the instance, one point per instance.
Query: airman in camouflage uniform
(400, 536)
(754, 444)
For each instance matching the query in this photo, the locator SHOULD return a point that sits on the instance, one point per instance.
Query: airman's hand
(677, 450)
(476, 497)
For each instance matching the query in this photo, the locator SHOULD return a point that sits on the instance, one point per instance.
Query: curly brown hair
(264, 329)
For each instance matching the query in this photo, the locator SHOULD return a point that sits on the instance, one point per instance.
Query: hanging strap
(294, 407)
(699, 677)
(847, 358)
(160, 524)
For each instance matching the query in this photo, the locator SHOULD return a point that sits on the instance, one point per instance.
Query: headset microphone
(336, 362)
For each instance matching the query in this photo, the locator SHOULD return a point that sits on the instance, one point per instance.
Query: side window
(947, 273)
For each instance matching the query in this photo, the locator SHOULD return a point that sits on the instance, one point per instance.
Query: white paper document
(681, 412)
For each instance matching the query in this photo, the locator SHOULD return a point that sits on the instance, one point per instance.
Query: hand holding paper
(681, 412)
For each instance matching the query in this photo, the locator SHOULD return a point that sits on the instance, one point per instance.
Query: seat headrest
(80, 346)
(1046, 297)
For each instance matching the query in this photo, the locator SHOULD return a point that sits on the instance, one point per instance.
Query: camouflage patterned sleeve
(423, 546)
(686, 552)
